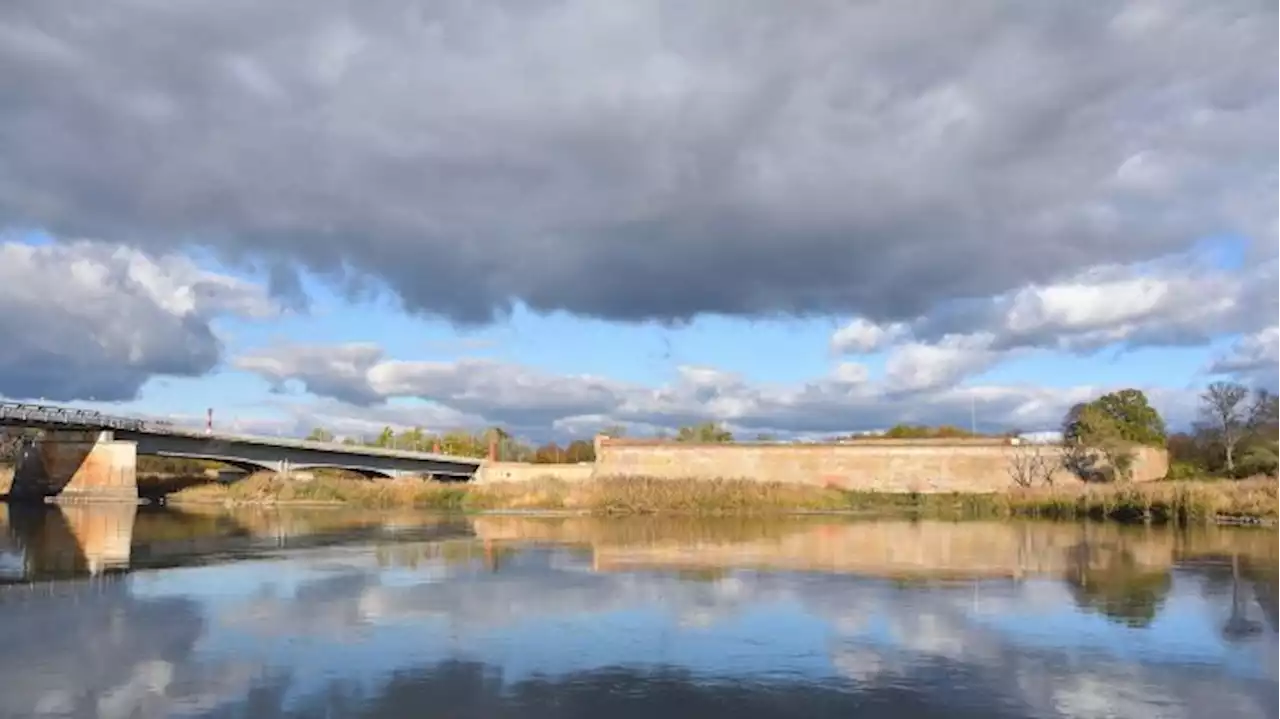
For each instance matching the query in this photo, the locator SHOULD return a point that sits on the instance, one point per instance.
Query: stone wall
(883, 465)
(522, 472)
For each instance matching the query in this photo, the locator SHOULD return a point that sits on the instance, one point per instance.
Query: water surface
(139, 612)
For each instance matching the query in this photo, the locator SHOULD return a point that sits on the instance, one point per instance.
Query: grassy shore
(624, 495)
(1185, 502)
(1177, 502)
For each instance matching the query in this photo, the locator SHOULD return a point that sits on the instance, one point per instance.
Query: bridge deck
(354, 450)
(17, 414)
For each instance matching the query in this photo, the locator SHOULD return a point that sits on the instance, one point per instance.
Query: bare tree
(1032, 464)
(1224, 407)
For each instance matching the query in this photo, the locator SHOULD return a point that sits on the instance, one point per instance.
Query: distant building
(1045, 437)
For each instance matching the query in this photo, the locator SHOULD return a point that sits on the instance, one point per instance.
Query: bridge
(88, 452)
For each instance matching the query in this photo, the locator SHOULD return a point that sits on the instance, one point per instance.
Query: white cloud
(1254, 359)
(861, 336)
(1175, 302)
(86, 319)
(476, 393)
(918, 366)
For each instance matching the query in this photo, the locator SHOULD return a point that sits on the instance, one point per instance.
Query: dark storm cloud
(649, 160)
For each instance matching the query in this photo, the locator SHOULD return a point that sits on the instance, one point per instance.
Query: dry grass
(267, 488)
(636, 495)
(622, 495)
(6, 479)
(1182, 502)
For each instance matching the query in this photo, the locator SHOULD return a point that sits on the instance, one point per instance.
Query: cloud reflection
(567, 617)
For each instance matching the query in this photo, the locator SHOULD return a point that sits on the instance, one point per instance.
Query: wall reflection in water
(123, 611)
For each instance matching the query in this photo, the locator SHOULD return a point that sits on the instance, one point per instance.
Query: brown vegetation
(609, 496)
(1170, 501)
(1174, 502)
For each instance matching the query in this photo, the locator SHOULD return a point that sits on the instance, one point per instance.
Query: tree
(1191, 454)
(1071, 423)
(549, 453)
(386, 438)
(1110, 425)
(1032, 464)
(705, 433)
(1224, 408)
(1135, 419)
(1099, 431)
(580, 450)
(921, 431)
(320, 434)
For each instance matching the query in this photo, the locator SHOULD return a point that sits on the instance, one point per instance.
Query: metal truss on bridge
(163, 439)
(49, 417)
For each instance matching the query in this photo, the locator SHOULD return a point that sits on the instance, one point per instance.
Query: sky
(797, 220)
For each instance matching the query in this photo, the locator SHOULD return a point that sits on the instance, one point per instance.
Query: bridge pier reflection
(68, 541)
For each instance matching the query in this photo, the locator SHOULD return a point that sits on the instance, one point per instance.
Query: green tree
(1111, 425)
(320, 434)
(705, 433)
(386, 438)
(921, 431)
(1134, 418)
(413, 439)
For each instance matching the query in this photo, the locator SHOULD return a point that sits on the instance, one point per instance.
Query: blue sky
(785, 351)
(770, 352)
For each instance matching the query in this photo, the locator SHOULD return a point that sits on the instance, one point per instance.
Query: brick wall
(523, 472)
(877, 465)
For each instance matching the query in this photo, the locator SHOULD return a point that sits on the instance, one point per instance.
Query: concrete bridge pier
(77, 464)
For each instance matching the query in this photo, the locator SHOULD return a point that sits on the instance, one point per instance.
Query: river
(115, 611)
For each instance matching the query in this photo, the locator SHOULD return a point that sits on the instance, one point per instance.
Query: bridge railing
(18, 413)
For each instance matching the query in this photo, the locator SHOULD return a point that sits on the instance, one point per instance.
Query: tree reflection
(1238, 625)
(1107, 579)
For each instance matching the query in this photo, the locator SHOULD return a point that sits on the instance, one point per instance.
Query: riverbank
(1249, 501)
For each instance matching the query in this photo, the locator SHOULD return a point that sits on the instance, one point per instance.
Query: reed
(266, 488)
(619, 495)
(1180, 502)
